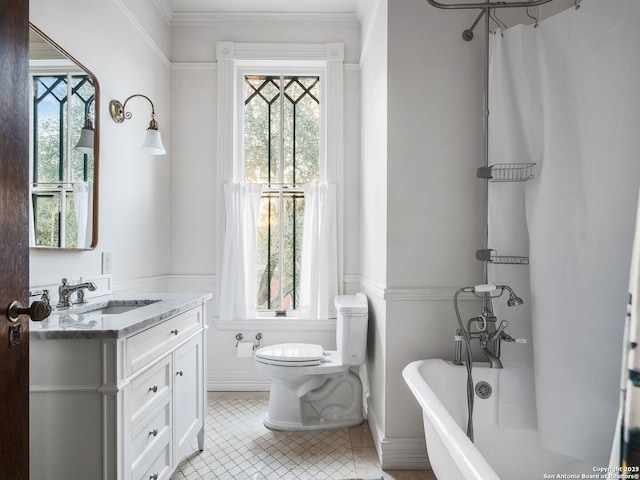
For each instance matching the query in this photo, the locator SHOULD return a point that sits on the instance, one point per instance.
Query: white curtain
(566, 96)
(319, 269)
(83, 201)
(239, 268)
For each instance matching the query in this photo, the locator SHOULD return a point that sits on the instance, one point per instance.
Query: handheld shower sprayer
(513, 301)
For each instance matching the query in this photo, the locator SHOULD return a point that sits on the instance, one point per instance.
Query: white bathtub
(498, 452)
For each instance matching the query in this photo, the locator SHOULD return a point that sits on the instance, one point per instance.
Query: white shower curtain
(319, 269)
(566, 96)
(239, 267)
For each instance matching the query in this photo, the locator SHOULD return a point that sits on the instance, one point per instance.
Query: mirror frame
(96, 147)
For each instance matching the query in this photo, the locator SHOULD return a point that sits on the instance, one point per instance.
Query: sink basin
(111, 307)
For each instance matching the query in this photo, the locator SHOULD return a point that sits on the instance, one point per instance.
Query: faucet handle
(80, 297)
(508, 338)
(500, 332)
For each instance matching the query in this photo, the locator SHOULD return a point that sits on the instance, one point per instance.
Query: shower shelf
(488, 255)
(507, 172)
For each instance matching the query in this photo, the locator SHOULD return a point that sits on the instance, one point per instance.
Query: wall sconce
(153, 141)
(87, 135)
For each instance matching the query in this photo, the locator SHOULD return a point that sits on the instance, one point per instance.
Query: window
(61, 104)
(281, 147)
(280, 152)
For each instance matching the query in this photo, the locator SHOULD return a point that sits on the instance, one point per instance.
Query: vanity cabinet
(123, 408)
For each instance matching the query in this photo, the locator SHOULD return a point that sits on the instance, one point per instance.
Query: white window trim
(233, 59)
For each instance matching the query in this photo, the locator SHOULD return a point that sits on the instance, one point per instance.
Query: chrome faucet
(487, 328)
(65, 291)
(494, 361)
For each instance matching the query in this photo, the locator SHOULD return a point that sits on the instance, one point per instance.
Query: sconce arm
(118, 112)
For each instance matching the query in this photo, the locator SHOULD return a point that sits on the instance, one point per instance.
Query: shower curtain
(566, 95)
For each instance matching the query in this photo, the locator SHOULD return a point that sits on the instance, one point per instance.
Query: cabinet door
(189, 396)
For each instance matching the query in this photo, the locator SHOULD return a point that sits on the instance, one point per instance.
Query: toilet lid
(294, 354)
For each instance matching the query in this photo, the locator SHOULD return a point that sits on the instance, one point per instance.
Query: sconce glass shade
(153, 143)
(85, 143)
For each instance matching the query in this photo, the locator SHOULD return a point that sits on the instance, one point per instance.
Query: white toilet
(315, 389)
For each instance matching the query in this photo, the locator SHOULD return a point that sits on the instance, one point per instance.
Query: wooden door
(14, 237)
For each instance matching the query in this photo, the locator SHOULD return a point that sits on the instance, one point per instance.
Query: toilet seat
(291, 355)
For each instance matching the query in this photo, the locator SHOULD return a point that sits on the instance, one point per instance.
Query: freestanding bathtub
(498, 452)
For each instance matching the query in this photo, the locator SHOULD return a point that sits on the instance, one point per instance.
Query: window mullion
(281, 198)
(69, 127)
(67, 170)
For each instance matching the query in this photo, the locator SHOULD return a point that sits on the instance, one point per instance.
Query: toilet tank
(351, 328)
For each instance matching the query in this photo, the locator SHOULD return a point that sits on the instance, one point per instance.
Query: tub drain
(483, 389)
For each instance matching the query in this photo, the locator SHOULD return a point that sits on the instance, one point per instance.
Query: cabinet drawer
(156, 463)
(150, 431)
(150, 344)
(150, 389)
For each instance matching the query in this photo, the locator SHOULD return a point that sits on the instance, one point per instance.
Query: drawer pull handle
(154, 432)
(174, 332)
(179, 372)
(153, 477)
(153, 389)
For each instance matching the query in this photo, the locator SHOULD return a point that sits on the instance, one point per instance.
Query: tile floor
(239, 447)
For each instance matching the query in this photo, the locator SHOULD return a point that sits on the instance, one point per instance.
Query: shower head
(514, 300)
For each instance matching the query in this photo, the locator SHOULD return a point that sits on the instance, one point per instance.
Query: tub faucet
(494, 361)
(65, 291)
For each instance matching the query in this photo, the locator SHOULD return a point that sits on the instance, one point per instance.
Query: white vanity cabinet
(118, 404)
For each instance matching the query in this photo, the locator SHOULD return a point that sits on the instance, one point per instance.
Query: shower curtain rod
(488, 5)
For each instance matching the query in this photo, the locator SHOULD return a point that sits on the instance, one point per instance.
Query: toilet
(314, 389)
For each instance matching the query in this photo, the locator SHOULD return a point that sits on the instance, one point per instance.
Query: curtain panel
(239, 266)
(319, 269)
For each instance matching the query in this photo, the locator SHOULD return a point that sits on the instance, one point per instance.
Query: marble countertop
(83, 321)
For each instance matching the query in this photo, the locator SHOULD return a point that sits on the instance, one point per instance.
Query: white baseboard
(400, 453)
(232, 382)
(404, 454)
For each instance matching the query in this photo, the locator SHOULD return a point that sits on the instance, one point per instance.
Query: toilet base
(317, 424)
(335, 403)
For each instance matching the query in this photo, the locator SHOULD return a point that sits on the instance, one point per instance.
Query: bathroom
(413, 138)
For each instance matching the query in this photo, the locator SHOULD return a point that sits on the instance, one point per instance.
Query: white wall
(373, 200)
(421, 215)
(133, 188)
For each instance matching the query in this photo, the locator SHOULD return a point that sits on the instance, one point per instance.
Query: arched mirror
(64, 148)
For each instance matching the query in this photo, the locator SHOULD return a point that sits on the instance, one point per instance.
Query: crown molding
(194, 66)
(143, 32)
(298, 19)
(164, 9)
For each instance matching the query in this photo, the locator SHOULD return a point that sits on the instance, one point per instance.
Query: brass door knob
(37, 311)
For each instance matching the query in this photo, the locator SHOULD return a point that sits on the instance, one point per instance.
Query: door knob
(37, 311)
